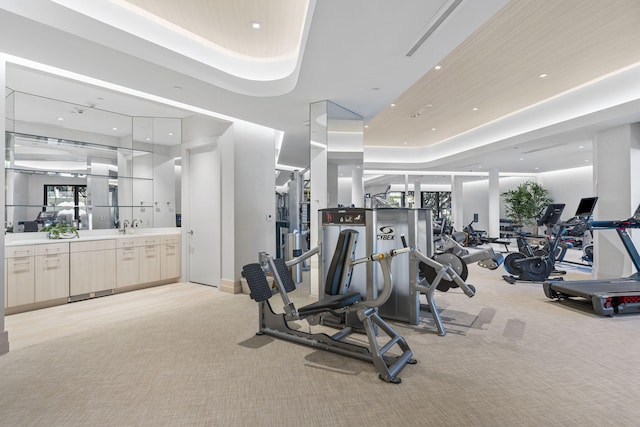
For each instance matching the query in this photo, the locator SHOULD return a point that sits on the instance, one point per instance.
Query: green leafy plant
(525, 202)
(61, 231)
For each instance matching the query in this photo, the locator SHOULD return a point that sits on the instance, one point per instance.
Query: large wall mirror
(87, 165)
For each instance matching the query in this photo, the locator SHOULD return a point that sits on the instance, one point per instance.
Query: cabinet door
(20, 281)
(171, 258)
(52, 271)
(149, 263)
(92, 266)
(128, 266)
(52, 277)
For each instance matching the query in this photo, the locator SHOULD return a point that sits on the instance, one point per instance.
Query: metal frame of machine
(277, 324)
(421, 272)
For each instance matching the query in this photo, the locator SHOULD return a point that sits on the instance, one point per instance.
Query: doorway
(202, 173)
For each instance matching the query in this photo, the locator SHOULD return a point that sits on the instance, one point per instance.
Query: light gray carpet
(511, 358)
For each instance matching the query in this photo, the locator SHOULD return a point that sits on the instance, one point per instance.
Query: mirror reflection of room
(68, 163)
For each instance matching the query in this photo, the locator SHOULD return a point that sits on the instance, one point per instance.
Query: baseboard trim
(230, 287)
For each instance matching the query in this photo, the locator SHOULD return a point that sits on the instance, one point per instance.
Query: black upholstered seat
(332, 302)
(338, 279)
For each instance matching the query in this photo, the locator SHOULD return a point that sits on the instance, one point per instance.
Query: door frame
(188, 149)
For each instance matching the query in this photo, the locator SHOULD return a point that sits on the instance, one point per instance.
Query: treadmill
(607, 297)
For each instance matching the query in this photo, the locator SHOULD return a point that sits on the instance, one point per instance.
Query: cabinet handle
(55, 264)
(26, 252)
(52, 251)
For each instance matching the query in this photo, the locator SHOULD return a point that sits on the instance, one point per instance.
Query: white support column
(357, 188)
(457, 202)
(4, 336)
(494, 203)
(417, 196)
(616, 178)
(406, 190)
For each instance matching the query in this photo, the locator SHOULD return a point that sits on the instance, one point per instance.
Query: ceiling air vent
(435, 22)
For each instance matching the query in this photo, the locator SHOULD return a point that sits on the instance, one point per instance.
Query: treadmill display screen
(586, 207)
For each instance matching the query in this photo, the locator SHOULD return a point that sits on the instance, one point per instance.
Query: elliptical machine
(536, 268)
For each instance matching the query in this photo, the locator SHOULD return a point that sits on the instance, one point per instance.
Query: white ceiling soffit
(223, 47)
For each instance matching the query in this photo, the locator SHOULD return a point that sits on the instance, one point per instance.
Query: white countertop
(16, 239)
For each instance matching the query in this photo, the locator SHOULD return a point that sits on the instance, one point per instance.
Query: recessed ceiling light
(586, 161)
(256, 25)
(405, 143)
(170, 133)
(60, 118)
(433, 128)
(437, 67)
(543, 75)
(147, 139)
(475, 108)
(392, 105)
(580, 146)
(114, 128)
(537, 168)
(521, 158)
(366, 126)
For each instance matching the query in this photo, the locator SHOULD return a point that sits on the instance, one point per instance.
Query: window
(64, 204)
(439, 202)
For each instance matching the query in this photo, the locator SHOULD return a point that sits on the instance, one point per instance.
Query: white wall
(568, 187)
(4, 336)
(248, 196)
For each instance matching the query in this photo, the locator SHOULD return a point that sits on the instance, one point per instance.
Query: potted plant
(525, 202)
(61, 231)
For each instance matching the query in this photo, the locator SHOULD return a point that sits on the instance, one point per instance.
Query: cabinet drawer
(19, 251)
(150, 241)
(93, 245)
(129, 242)
(52, 249)
(138, 241)
(172, 239)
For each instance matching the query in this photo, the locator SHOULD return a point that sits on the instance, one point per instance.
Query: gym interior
(166, 271)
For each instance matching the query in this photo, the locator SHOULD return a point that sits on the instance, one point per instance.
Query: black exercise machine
(337, 305)
(607, 297)
(536, 268)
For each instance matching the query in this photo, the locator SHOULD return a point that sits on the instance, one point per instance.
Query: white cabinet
(150, 259)
(51, 271)
(92, 266)
(171, 248)
(127, 262)
(20, 267)
(138, 260)
(47, 273)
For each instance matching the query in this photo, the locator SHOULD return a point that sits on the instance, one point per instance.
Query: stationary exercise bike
(532, 267)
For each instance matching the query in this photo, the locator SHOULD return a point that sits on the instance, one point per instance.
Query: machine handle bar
(381, 255)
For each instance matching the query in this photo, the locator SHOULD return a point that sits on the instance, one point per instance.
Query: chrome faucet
(123, 228)
(136, 222)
